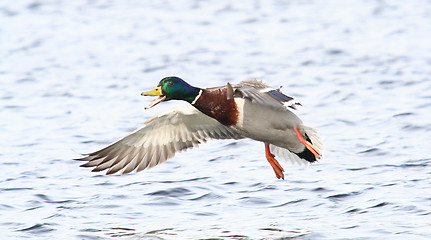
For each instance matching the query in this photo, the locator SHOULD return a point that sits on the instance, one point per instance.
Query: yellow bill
(155, 92)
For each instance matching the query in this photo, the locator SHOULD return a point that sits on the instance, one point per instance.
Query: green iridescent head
(172, 88)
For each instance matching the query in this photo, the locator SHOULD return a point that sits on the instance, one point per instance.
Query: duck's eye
(171, 83)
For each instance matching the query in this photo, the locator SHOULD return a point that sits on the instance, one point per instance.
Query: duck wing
(162, 136)
(260, 93)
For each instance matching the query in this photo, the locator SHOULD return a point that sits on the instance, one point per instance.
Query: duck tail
(306, 157)
(312, 141)
(314, 137)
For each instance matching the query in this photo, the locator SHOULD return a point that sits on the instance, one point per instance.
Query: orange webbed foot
(274, 163)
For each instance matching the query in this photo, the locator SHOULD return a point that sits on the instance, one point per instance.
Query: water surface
(71, 73)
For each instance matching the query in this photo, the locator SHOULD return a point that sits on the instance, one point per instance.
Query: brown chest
(215, 104)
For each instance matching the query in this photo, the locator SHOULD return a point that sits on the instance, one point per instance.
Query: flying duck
(250, 109)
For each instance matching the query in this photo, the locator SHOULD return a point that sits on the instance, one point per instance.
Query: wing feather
(157, 141)
(260, 93)
(287, 155)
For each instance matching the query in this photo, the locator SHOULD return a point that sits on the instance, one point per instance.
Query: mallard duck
(250, 109)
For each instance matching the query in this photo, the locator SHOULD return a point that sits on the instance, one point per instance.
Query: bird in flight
(249, 109)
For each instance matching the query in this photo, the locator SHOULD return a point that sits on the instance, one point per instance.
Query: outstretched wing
(260, 93)
(158, 140)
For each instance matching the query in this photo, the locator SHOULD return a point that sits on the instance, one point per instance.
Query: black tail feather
(307, 154)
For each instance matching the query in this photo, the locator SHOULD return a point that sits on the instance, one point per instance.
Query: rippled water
(70, 77)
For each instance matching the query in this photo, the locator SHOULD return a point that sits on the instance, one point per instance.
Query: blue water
(71, 73)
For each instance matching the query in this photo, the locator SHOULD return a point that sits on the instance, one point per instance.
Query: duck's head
(172, 88)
